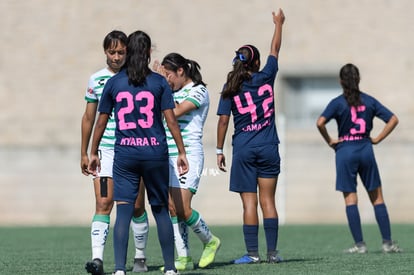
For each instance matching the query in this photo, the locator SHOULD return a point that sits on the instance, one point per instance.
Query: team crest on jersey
(90, 91)
(101, 82)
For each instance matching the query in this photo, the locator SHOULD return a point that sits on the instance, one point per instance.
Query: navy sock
(354, 222)
(165, 235)
(271, 229)
(251, 239)
(124, 214)
(381, 215)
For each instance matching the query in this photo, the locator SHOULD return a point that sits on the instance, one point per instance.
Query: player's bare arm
(278, 20)
(88, 119)
(94, 163)
(172, 125)
(222, 127)
(388, 128)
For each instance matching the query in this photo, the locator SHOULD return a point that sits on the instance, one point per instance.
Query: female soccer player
(248, 95)
(191, 107)
(354, 112)
(140, 99)
(114, 46)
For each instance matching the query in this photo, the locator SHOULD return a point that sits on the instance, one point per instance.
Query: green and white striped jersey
(93, 95)
(192, 123)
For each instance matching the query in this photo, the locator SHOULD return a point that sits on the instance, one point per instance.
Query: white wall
(49, 49)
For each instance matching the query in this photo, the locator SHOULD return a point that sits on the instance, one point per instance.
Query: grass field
(306, 249)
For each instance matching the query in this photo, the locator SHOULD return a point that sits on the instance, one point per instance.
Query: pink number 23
(129, 108)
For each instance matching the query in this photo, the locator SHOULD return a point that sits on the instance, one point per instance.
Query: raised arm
(278, 20)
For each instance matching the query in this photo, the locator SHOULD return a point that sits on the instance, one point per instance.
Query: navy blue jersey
(253, 109)
(355, 123)
(138, 110)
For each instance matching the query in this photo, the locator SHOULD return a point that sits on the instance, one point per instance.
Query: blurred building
(50, 48)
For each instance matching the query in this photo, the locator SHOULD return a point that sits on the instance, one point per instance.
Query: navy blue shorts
(248, 164)
(127, 173)
(353, 159)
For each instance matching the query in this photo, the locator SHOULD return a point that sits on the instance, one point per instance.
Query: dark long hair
(112, 39)
(174, 61)
(349, 76)
(247, 61)
(138, 57)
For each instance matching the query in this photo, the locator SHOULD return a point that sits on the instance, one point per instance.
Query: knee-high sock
(271, 229)
(251, 239)
(124, 214)
(180, 237)
(165, 235)
(354, 222)
(139, 227)
(383, 220)
(99, 233)
(199, 227)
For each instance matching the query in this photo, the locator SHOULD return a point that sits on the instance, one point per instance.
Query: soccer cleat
(209, 252)
(171, 272)
(391, 247)
(247, 259)
(357, 249)
(274, 258)
(140, 265)
(184, 263)
(95, 267)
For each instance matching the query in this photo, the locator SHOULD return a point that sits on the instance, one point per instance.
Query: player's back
(138, 113)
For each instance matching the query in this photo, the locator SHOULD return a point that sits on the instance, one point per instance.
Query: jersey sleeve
(90, 95)
(106, 103)
(268, 73)
(382, 112)
(330, 110)
(198, 96)
(224, 107)
(167, 100)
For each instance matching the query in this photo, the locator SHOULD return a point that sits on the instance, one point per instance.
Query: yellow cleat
(209, 252)
(184, 263)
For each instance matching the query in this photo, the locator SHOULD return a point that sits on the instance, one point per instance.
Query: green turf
(306, 249)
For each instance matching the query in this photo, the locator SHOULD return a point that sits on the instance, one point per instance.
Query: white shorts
(190, 180)
(106, 155)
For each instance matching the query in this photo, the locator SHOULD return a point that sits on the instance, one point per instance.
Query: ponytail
(191, 68)
(246, 61)
(235, 79)
(349, 76)
(194, 72)
(138, 57)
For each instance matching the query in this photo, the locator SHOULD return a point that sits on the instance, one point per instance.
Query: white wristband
(219, 151)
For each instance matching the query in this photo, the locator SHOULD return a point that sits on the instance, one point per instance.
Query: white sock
(181, 238)
(199, 227)
(202, 231)
(140, 231)
(99, 233)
